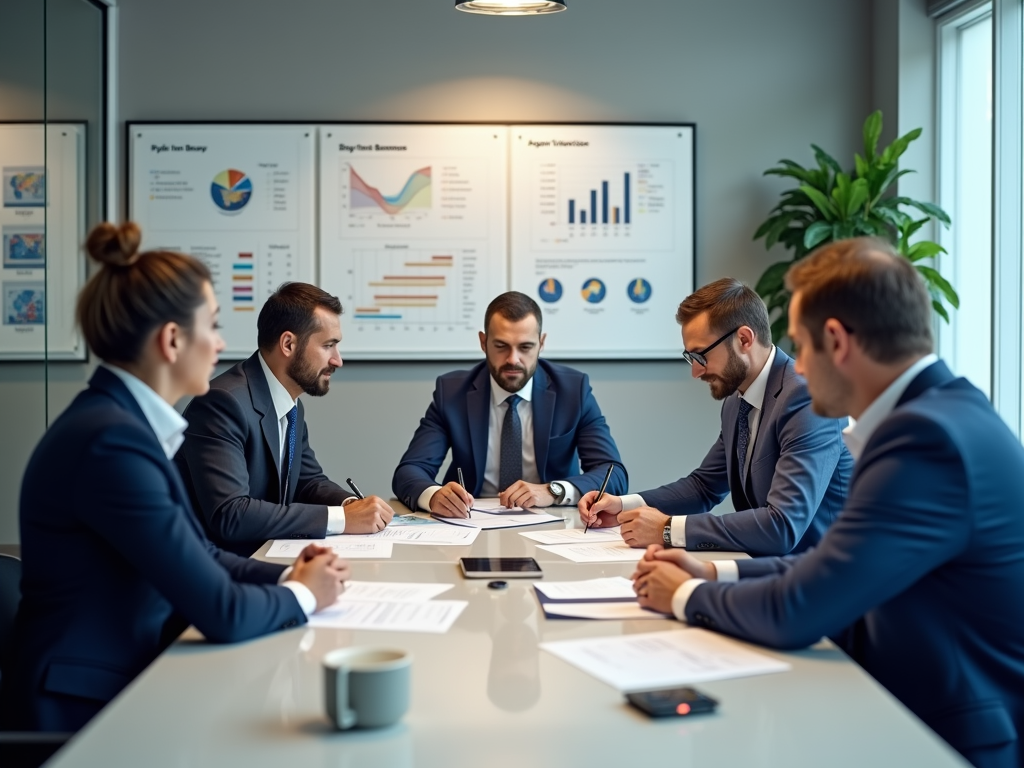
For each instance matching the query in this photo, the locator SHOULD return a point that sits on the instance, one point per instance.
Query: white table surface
(485, 696)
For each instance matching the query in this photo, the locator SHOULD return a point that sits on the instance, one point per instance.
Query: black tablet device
(500, 567)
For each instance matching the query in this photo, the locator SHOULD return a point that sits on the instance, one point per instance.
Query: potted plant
(831, 204)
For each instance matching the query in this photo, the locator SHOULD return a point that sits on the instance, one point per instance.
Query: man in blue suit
(919, 579)
(247, 462)
(786, 467)
(519, 428)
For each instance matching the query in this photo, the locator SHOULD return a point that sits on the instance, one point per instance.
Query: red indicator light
(683, 709)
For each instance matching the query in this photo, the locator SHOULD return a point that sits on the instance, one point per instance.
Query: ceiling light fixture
(510, 7)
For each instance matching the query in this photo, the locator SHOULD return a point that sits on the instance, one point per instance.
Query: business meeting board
(417, 226)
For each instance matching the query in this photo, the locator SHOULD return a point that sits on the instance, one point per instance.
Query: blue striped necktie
(743, 434)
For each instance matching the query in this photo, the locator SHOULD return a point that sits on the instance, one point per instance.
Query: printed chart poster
(42, 226)
(602, 235)
(239, 198)
(413, 235)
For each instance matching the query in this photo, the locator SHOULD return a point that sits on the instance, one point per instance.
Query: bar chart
(619, 213)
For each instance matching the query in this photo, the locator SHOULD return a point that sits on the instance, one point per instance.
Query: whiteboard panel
(413, 235)
(241, 198)
(42, 227)
(602, 235)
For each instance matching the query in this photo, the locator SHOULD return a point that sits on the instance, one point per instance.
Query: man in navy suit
(519, 428)
(246, 460)
(786, 467)
(919, 579)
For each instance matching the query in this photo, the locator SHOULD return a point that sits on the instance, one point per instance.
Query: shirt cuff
(727, 570)
(426, 496)
(304, 596)
(335, 520)
(678, 531)
(682, 597)
(572, 494)
(631, 501)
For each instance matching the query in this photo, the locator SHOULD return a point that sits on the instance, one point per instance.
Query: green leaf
(777, 229)
(926, 208)
(841, 194)
(938, 281)
(886, 182)
(820, 202)
(861, 166)
(816, 234)
(794, 170)
(771, 280)
(858, 196)
(765, 227)
(893, 152)
(940, 310)
(779, 301)
(825, 159)
(872, 132)
(923, 250)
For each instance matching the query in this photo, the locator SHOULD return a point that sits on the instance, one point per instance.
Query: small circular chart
(639, 290)
(593, 291)
(231, 190)
(550, 290)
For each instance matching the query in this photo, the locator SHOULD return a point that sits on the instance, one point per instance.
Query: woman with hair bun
(115, 564)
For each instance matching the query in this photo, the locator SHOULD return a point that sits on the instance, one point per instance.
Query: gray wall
(760, 79)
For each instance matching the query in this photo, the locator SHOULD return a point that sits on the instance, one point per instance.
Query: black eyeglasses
(700, 357)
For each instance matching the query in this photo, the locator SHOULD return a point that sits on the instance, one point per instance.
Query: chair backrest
(10, 595)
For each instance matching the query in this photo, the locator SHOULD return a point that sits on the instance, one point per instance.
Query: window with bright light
(965, 191)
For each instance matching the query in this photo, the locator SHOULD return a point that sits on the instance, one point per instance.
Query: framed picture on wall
(42, 228)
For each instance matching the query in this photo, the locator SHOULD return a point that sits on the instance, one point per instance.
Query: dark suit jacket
(796, 483)
(920, 578)
(568, 431)
(115, 566)
(231, 465)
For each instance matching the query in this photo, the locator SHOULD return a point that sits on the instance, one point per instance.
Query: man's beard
(515, 385)
(307, 375)
(729, 380)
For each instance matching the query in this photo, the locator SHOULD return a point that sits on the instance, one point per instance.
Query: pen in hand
(355, 490)
(461, 481)
(607, 477)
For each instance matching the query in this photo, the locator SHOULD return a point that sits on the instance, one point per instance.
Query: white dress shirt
(856, 436)
(492, 466)
(169, 427)
(283, 403)
(755, 396)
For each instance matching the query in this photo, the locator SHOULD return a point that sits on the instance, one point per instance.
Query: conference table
(485, 694)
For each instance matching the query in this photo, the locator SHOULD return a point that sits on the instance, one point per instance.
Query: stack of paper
(489, 520)
(598, 552)
(423, 534)
(348, 547)
(575, 536)
(609, 598)
(393, 606)
(663, 659)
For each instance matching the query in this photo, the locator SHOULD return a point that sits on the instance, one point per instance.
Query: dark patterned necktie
(286, 460)
(510, 468)
(743, 434)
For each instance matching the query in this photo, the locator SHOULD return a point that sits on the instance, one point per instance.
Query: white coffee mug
(366, 687)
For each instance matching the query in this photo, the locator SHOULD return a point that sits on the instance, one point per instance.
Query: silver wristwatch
(557, 490)
(666, 535)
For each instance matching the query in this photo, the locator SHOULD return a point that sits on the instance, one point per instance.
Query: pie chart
(231, 190)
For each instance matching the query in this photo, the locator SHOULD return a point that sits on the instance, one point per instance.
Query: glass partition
(52, 163)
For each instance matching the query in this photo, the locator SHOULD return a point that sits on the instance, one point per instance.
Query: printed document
(349, 547)
(663, 659)
(574, 536)
(392, 591)
(436, 616)
(603, 552)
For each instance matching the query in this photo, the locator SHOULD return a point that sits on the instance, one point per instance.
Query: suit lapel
(935, 374)
(776, 380)
(543, 405)
(478, 403)
(263, 404)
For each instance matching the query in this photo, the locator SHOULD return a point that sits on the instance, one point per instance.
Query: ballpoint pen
(461, 481)
(607, 477)
(358, 493)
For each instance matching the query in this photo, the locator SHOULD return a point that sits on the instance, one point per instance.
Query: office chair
(20, 749)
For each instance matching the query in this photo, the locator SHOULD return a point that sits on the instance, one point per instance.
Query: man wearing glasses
(785, 467)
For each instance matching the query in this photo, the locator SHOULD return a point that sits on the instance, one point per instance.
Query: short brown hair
(292, 307)
(869, 288)
(729, 304)
(513, 306)
(135, 293)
